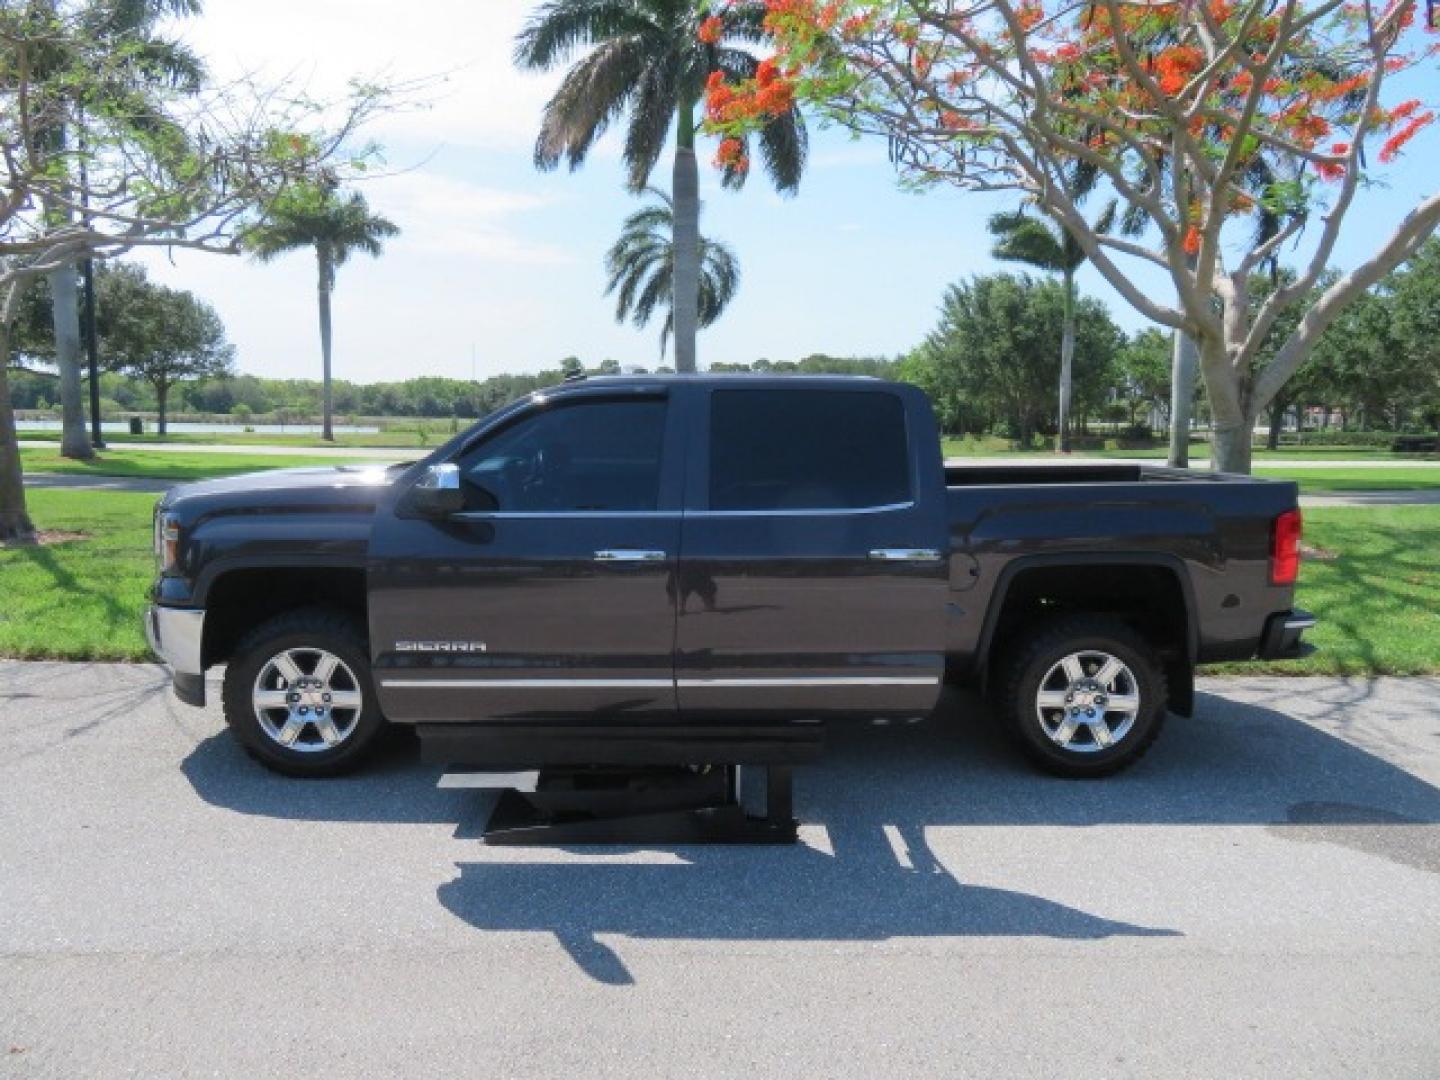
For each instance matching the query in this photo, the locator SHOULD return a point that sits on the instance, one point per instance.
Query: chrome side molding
(628, 555)
(906, 555)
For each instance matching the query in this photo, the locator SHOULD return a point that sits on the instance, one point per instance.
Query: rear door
(549, 594)
(812, 576)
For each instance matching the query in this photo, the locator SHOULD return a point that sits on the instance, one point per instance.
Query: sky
(499, 268)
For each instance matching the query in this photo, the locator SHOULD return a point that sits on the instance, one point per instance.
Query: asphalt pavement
(1257, 898)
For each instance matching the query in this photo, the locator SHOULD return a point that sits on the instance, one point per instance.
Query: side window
(807, 450)
(591, 456)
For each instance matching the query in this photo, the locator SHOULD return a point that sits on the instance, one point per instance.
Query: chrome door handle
(628, 555)
(906, 555)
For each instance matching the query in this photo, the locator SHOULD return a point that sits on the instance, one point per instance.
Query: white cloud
(481, 99)
(443, 215)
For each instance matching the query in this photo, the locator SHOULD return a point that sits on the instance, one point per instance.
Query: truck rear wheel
(299, 696)
(1084, 696)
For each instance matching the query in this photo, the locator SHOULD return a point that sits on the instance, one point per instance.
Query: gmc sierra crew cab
(693, 554)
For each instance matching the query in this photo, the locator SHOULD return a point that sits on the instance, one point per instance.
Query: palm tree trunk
(1067, 364)
(14, 519)
(327, 284)
(685, 191)
(65, 315)
(1182, 399)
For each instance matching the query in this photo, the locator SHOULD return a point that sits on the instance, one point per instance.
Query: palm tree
(148, 57)
(336, 227)
(640, 266)
(647, 60)
(1050, 247)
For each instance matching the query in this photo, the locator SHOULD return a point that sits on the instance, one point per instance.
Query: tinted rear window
(807, 449)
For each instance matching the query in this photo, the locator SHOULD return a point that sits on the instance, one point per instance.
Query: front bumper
(175, 636)
(1282, 639)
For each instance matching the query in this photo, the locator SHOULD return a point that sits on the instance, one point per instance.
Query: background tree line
(990, 364)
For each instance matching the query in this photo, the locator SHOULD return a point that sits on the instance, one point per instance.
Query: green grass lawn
(168, 465)
(436, 432)
(1335, 481)
(1375, 586)
(79, 600)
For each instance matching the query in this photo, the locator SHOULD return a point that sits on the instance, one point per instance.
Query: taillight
(1285, 548)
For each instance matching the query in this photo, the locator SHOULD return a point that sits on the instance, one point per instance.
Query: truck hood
(339, 487)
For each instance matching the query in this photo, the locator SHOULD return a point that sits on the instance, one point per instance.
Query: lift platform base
(636, 806)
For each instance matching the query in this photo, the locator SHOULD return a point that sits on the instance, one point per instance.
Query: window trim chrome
(529, 515)
(819, 511)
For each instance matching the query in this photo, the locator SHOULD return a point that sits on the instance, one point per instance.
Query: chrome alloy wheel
(1088, 701)
(307, 700)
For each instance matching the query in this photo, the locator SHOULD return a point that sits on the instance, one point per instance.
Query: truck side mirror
(438, 493)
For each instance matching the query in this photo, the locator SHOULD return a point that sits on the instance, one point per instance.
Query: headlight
(167, 541)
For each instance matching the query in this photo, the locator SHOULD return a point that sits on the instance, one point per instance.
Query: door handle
(905, 555)
(628, 555)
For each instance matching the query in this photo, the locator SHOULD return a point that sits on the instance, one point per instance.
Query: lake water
(182, 428)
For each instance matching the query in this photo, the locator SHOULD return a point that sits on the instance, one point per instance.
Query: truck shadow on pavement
(875, 793)
(876, 886)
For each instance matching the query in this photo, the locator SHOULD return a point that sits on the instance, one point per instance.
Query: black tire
(307, 631)
(1036, 654)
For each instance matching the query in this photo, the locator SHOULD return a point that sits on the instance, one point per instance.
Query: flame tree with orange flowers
(1174, 102)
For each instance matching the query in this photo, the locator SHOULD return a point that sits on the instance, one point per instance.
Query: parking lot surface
(1258, 897)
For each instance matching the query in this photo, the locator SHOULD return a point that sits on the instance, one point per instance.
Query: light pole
(92, 351)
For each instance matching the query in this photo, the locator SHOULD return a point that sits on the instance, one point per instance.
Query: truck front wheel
(299, 695)
(1084, 695)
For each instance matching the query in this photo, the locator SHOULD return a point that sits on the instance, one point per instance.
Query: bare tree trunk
(15, 522)
(327, 283)
(685, 191)
(65, 315)
(1183, 358)
(162, 392)
(1277, 423)
(1067, 364)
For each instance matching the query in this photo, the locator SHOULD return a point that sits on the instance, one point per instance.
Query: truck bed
(1212, 530)
(1078, 473)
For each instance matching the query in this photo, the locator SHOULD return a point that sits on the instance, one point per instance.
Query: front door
(812, 578)
(550, 594)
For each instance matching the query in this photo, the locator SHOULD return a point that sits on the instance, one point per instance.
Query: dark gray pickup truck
(675, 558)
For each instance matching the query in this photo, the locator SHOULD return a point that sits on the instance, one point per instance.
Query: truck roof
(749, 378)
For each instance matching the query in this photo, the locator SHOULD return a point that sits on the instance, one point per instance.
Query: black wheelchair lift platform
(635, 784)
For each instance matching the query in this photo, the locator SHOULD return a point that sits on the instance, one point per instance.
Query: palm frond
(558, 29)
(639, 269)
(719, 279)
(310, 218)
(1023, 239)
(593, 93)
(784, 148)
(652, 107)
